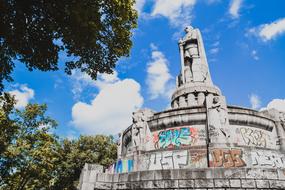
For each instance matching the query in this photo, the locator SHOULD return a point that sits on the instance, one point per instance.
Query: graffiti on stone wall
(253, 137)
(175, 160)
(227, 158)
(175, 137)
(124, 165)
(267, 159)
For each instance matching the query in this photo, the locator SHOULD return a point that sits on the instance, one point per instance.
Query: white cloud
(269, 31)
(158, 76)
(177, 11)
(139, 5)
(235, 6)
(254, 55)
(80, 81)
(23, 95)
(255, 101)
(278, 104)
(111, 110)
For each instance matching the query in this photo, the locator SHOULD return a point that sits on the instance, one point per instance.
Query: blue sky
(245, 46)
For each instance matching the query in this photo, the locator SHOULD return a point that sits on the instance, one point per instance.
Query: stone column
(182, 102)
(191, 100)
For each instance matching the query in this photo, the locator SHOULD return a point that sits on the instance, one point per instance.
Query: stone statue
(194, 64)
(140, 130)
(217, 118)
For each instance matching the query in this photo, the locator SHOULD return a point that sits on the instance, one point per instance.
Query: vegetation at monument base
(94, 33)
(31, 157)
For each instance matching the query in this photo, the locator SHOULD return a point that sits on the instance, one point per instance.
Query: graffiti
(122, 166)
(267, 159)
(253, 137)
(175, 137)
(174, 160)
(227, 158)
(168, 160)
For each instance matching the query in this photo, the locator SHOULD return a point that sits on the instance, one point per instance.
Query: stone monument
(200, 143)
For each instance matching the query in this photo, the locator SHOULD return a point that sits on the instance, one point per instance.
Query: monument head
(188, 29)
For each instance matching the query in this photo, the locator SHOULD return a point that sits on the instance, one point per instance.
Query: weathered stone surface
(221, 183)
(262, 183)
(248, 183)
(235, 182)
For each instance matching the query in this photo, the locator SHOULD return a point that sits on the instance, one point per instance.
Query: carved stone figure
(217, 117)
(140, 130)
(193, 58)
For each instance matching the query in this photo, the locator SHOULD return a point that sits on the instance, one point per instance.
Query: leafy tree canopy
(95, 32)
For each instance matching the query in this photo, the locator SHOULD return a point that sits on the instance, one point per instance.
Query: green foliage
(8, 126)
(27, 163)
(74, 154)
(96, 32)
(32, 157)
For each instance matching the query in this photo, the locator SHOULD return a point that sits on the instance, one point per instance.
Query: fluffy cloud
(278, 104)
(158, 76)
(269, 31)
(235, 6)
(80, 81)
(254, 101)
(110, 111)
(177, 11)
(23, 95)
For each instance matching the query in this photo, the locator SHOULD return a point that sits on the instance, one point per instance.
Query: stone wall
(243, 178)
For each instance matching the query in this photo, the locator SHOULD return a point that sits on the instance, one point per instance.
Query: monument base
(206, 178)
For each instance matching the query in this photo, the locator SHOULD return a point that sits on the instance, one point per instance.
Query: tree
(32, 157)
(95, 33)
(27, 162)
(8, 126)
(74, 154)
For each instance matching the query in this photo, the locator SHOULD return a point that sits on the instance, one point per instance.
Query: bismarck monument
(200, 143)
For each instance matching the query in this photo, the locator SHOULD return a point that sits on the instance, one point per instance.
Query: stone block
(253, 173)
(135, 176)
(171, 184)
(221, 183)
(199, 174)
(204, 183)
(233, 173)
(135, 185)
(175, 174)
(123, 177)
(162, 174)
(158, 184)
(116, 178)
(108, 178)
(278, 184)
(146, 175)
(235, 183)
(248, 183)
(101, 185)
(147, 184)
(262, 183)
(100, 177)
(186, 183)
(183, 174)
(281, 174)
(270, 174)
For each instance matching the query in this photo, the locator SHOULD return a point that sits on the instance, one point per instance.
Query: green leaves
(97, 33)
(33, 158)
